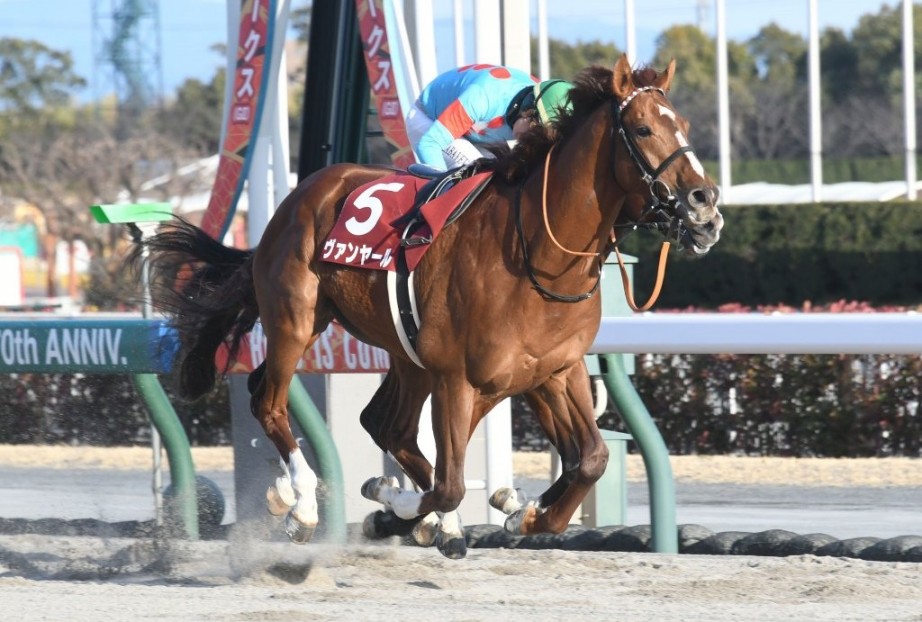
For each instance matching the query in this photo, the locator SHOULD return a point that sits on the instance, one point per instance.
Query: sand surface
(247, 578)
(89, 579)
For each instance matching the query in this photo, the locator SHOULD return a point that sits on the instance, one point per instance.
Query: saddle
(439, 183)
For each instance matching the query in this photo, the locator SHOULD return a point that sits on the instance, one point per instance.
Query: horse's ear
(622, 80)
(664, 79)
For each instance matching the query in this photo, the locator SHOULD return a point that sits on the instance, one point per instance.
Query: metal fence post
(176, 443)
(653, 449)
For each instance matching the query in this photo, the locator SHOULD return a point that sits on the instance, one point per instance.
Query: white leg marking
(506, 500)
(404, 503)
(304, 482)
(450, 526)
(283, 485)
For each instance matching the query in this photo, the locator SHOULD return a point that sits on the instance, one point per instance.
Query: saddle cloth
(370, 227)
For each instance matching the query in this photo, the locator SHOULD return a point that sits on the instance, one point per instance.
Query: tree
(62, 158)
(839, 65)
(878, 39)
(34, 77)
(774, 126)
(694, 89)
(862, 85)
(193, 118)
(779, 55)
(568, 60)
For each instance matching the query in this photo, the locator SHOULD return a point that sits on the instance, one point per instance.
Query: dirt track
(88, 579)
(247, 578)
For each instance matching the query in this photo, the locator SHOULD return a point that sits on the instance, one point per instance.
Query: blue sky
(190, 27)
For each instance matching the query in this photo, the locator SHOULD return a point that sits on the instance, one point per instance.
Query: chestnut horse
(503, 298)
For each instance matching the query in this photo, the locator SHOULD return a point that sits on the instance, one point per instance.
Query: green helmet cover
(550, 98)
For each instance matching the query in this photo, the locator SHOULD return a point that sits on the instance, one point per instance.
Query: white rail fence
(738, 333)
(756, 333)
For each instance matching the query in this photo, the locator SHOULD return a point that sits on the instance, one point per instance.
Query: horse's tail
(206, 289)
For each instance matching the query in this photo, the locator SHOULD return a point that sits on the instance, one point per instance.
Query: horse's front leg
(559, 431)
(565, 409)
(453, 414)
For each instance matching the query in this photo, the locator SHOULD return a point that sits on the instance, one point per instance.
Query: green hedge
(770, 405)
(103, 410)
(783, 405)
(788, 254)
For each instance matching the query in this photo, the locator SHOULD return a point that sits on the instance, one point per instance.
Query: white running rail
(757, 333)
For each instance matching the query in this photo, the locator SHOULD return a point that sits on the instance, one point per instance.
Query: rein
(531, 273)
(660, 205)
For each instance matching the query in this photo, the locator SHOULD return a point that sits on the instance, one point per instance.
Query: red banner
(257, 18)
(336, 351)
(373, 30)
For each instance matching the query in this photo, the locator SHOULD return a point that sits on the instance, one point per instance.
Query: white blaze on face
(692, 158)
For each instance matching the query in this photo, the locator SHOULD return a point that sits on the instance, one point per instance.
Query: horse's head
(654, 162)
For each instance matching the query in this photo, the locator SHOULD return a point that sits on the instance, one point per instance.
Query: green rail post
(653, 449)
(166, 424)
(331, 469)
(179, 454)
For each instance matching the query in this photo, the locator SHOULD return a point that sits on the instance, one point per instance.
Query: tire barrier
(693, 539)
(699, 540)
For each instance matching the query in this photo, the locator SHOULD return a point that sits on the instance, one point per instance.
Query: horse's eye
(643, 131)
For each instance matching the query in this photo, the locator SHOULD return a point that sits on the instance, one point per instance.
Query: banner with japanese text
(254, 54)
(379, 63)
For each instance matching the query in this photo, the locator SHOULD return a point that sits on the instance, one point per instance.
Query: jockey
(471, 106)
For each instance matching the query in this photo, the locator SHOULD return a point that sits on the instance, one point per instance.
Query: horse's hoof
(506, 500)
(274, 502)
(298, 532)
(384, 524)
(370, 526)
(453, 547)
(426, 530)
(520, 522)
(371, 488)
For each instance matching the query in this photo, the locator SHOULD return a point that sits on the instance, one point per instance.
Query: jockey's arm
(453, 123)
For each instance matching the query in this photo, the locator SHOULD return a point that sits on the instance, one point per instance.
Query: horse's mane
(591, 88)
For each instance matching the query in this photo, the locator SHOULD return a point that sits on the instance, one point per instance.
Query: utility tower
(126, 50)
(702, 14)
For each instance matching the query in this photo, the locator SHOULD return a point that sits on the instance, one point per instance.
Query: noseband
(663, 201)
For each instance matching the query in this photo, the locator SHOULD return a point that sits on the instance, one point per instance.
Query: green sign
(104, 346)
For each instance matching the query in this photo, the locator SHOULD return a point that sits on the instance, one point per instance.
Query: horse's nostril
(698, 198)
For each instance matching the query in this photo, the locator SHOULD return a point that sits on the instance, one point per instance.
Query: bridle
(663, 201)
(663, 205)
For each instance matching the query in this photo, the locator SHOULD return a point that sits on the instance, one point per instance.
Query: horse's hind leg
(392, 420)
(455, 412)
(280, 497)
(289, 316)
